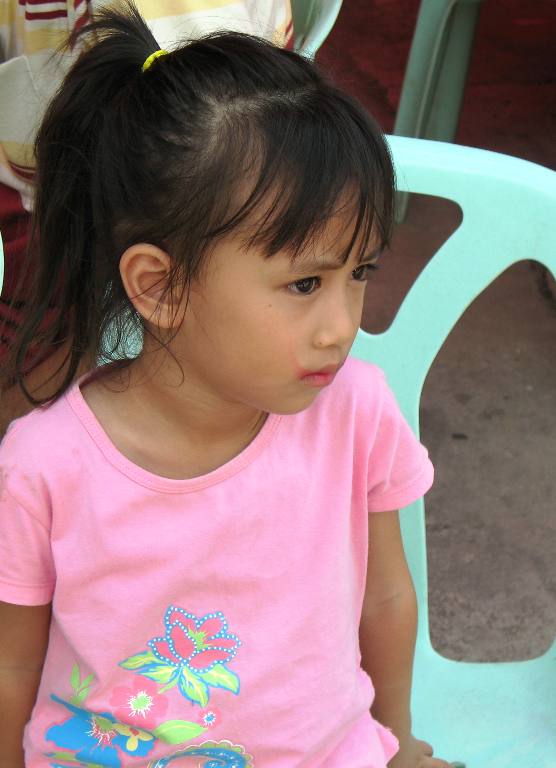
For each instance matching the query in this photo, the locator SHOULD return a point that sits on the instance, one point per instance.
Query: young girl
(200, 563)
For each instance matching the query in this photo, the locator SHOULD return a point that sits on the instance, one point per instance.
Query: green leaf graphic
(193, 687)
(75, 678)
(160, 673)
(62, 756)
(81, 696)
(221, 677)
(80, 687)
(178, 731)
(140, 660)
(70, 757)
(87, 682)
(170, 685)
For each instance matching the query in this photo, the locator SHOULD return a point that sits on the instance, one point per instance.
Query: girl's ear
(145, 271)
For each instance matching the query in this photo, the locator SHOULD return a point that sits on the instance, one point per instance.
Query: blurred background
(488, 411)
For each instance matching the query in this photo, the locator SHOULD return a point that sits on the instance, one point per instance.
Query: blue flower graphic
(97, 737)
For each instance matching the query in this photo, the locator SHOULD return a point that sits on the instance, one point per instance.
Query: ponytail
(71, 220)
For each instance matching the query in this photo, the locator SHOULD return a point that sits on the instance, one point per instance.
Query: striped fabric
(31, 30)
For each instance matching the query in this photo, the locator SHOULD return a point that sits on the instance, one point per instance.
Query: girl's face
(269, 333)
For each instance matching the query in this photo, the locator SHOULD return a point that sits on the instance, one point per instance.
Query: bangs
(322, 158)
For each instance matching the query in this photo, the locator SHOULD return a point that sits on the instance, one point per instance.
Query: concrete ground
(489, 402)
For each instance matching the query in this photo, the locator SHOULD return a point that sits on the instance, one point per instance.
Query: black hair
(221, 131)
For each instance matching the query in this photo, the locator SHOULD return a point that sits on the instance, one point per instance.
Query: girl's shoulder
(358, 396)
(359, 375)
(362, 397)
(358, 384)
(45, 436)
(38, 455)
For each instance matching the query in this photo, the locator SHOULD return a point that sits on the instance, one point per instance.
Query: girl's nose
(337, 325)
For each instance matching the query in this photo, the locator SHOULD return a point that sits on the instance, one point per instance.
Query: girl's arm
(23, 642)
(387, 638)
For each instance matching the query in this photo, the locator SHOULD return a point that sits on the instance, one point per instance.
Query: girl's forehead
(322, 255)
(339, 239)
(329, 247)
(283, 219)
(287, 239)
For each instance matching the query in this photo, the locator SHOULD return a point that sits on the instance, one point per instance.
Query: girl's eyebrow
(372, 256)
(319, 265)
(314, 265)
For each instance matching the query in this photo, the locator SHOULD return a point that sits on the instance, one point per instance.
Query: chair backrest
(509, 214)
(312, 22)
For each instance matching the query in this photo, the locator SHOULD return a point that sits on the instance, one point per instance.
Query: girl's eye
(362, 272)
(305, 286)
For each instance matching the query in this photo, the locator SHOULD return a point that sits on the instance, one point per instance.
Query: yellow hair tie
(149, 60)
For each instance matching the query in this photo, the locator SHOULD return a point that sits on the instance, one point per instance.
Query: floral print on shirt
(191, 658)
(192, 654)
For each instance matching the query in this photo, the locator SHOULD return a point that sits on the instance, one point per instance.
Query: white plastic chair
(312, 22)
(436, 71)
(487, 715)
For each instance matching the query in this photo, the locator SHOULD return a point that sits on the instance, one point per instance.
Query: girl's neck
(169, 426)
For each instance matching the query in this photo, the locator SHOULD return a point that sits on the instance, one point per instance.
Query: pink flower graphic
(199, 643)
(192, 655)
(139, 704)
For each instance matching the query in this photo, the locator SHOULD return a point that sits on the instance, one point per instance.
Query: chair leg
(422, 65)
(435, 75)
(302, 17)
(445, 105)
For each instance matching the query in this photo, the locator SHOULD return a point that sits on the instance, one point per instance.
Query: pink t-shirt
(210, 621)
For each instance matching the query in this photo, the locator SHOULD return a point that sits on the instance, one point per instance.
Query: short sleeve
(399, 470)
(26, 565)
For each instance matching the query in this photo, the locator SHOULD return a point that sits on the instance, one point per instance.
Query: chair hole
(429, 222)
(487, 416)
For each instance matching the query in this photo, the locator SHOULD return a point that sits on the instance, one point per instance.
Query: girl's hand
(416, 754)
